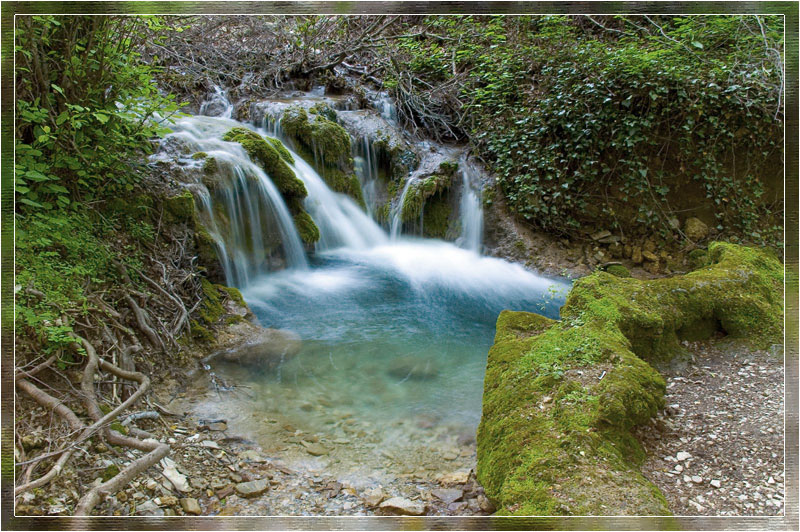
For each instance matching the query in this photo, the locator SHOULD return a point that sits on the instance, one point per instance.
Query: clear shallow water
(395, 331)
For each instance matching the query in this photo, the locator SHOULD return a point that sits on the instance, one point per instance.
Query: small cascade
(396, 214)
(239, 205)
(470, 209)
(341, 222)
(384, 104)
(366, 167)
(217, 104)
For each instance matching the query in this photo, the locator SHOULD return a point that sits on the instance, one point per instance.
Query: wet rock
(259, 347)
(252, 488)
(252, 456)
(695, 229)
(414, 368)
(402, 506)
(191, 506)
(315, 449)
(448, 495)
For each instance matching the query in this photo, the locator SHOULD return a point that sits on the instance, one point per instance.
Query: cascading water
(366, 168)
(395, 329)
(470, 210)
(396, 213)
(239, 205)
(217, 104)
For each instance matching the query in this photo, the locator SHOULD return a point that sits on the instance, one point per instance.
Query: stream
(395, 328)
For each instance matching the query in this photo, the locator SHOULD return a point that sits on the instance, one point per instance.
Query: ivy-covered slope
(561, 397)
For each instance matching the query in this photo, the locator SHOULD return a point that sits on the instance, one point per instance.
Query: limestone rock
(262, 348)
(402, 506)
(252, 488)
(191, 506)
(695, 229)
(373, 497)
(448, 495)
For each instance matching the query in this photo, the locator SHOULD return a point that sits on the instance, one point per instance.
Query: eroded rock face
(256, 346)
(561, 397)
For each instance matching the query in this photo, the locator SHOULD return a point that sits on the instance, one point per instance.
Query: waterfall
(470, 210)
(217, 104)
(239, 206)
(396, 213)
(366, 167)
(341, 222)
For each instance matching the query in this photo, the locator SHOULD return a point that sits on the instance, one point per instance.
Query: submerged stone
(264, 349)
(413, 368)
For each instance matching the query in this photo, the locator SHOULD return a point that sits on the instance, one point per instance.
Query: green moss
(421, 191)
(210, 166)
(697, 258)
(201, 334)
(309, 232)
(206, 247)
(344, 182)
(284, 153)
(180, 208)
(199, 155)
(325, 139)
(555, 441)
(118, 427)
(448, 168)
(619, 270)
(110, 472)
(264, 153)
(436, 218)
(233, 294)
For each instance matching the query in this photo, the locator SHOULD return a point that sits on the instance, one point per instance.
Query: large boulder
(561, 397)
(261, 348)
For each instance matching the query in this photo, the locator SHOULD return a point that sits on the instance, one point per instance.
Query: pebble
(373, 497)
(403, 506)
(191, 506)
(682, 456)
(448, 495)
(697, 479)
(252, 488)
(716, 483)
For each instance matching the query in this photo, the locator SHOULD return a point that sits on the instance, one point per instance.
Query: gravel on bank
(718, 446)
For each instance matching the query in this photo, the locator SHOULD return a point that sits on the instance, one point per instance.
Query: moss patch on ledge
(270, 159)
(561, 397)
(273, 157)
(324, 138)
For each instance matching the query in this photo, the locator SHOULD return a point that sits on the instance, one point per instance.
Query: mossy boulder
(421, 191)
(308, 230)
(264, 153)
(561, 397)
(180, 208)
(619, 270)
(274, 158)
(327, 141)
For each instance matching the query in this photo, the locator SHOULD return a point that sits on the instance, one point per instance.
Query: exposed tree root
(154, 450)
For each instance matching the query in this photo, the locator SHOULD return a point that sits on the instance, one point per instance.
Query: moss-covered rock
(180, 208)
(561, 397)
(327, 141)
(421, 191)
(308, 230)
(199, 155)
(269, 157)
(619, 270)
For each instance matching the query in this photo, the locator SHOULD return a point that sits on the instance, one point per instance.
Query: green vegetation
(561, 397)
(609, 121)
(321, 140)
